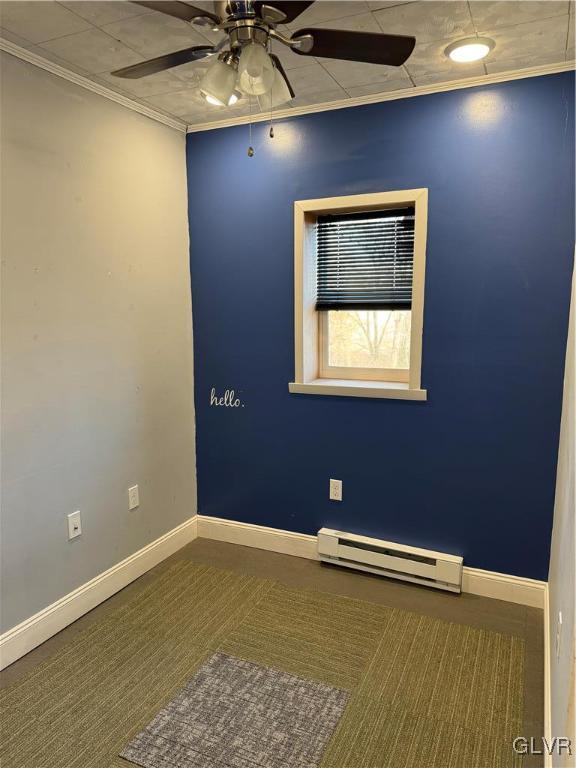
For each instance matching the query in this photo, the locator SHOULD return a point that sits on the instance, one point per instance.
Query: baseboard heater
(386, 558)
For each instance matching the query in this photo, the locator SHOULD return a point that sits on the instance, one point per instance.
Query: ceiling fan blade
(369, 47)
(169, 60)
(179, 10)
(280, 68)
(290, 8)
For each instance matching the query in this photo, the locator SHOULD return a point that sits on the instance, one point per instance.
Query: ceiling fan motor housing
(247, 31)
(235, 9)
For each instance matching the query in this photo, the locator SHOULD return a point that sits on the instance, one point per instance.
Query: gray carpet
(237, 714)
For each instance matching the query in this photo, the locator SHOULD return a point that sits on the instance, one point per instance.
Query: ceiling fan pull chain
(271, 125)
(269, 51)
(250, 148)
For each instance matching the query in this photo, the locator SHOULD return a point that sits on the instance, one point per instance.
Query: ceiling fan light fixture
(470, 49)
(255, 70)
(243, 62)
(279, 94)
(218, 84)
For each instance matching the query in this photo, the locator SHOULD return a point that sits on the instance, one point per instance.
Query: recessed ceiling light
(470, 49)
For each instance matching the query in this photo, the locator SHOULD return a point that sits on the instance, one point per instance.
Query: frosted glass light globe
(279, 93)
(255, 70)
(217, 85)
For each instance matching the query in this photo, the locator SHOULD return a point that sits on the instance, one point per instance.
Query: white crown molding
(403, 93)
(90, 85)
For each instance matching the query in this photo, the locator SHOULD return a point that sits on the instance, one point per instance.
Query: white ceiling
(93, 38)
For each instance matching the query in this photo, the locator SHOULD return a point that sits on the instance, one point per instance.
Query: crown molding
(179, 125)
(404, 93)
(90, 85)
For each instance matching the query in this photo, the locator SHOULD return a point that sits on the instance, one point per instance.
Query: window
(364, 293)
(359, 289)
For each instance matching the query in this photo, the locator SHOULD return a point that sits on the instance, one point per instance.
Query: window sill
(354, 388)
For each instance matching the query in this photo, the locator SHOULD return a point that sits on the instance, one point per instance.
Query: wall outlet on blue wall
(335, 490)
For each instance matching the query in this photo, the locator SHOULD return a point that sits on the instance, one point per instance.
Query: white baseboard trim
(500, 586)
(33, 631)
(21, 639)
(259, 536)
(503, 586)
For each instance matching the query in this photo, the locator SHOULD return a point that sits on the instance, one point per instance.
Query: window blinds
(365, 260)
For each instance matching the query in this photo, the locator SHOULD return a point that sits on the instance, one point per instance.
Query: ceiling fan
(243, 62)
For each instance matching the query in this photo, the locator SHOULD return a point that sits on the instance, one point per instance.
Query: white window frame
(309, 324)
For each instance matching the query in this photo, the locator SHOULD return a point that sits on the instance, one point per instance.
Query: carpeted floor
(424, 692)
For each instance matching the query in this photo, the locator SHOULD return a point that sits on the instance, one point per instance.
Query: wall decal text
(227, 400)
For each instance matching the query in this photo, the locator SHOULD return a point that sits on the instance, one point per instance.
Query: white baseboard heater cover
(386, 558)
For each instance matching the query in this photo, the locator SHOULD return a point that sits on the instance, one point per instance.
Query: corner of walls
(561, 639)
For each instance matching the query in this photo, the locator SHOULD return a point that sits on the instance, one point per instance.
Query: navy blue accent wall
(470, 471)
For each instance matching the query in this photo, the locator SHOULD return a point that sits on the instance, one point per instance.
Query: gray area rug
(237, 714)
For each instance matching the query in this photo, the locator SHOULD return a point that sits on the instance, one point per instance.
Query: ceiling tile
(40, 21)
(361, 22)
(531, 60)
(155, 34)
(178, 102)
(571, 29)
(429, 60)
(13, 38)
(427, 21)
(308, 99)
(351, 73)
(536, 39)
(374, 5)
(244, 107)
(327, 11)
(571, 55)
(505, 13)
(200, 114)
(176, 79)
(58, 60)
(312, 79)
(99, 13)
(93, 50)
(423, 78)
(374, 88)
(205, 5)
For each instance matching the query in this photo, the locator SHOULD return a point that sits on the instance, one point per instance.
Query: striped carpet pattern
(425, 693)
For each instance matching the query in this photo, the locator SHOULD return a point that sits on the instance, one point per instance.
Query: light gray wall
(562, 591)
(96, 335)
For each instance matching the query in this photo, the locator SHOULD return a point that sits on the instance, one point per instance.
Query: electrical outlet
(335, 490)
(133, 498)
(558, 634)
(74, 525)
